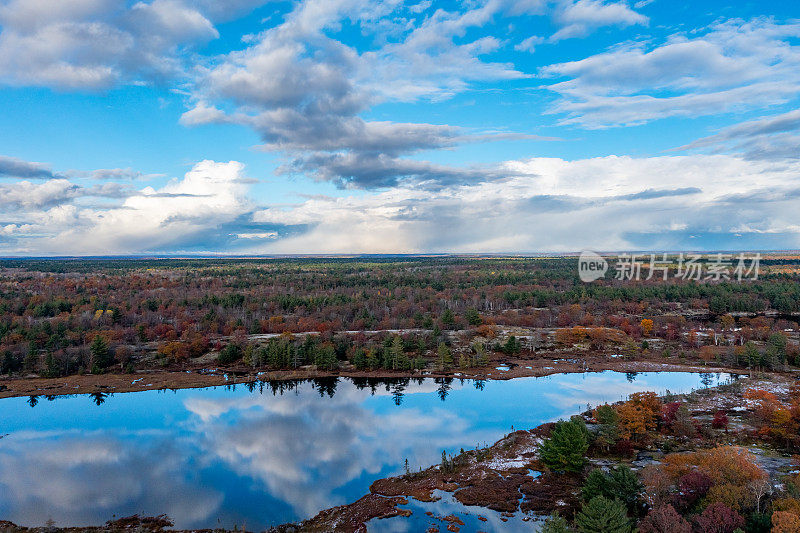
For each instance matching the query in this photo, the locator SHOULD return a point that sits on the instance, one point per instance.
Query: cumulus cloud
(735, 65)
(209, 202)
(540, 204)
(25, 194)
(612, 203)
(96, 44)
(529, 44)
(304, 92)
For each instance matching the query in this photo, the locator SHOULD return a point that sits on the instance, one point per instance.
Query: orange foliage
(638, 415)
(647, 327)
(791, 505)
(785, 522)
(487, 330)
(775, 419)
(732, 470)
(174, 350)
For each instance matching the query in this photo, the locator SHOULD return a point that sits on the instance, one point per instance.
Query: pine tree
(397, 353)
(608, 432)
(601, 515)
(360, 359)
(565, 450)
(101, 355)
(31, 360)
(448, 319)
(481, 359)
(444, 358)
(595, 485)
(51, 366)
(555, 524)
(473, 317)
(624, 485)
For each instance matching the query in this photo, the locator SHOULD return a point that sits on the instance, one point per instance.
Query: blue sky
(348, 126)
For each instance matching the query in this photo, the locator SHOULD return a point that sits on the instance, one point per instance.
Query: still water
(258, 455)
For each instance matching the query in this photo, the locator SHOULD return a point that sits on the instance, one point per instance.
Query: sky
(356, 126)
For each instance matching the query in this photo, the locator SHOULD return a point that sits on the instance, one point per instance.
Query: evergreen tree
(481, 359)
(325, 358)
(444, 359)
(620, 484)
(624, 485)
(9, 364)
(31, 360)
(360, 359)
(473, 317)
(448, 319)
(228, 355)
(595, 485)
(555, 524)
(565, 450)
(608, 430)
(601, 515)
(101, 355)
(372, 359)
(51, 366)
(397, 353)
(512, 346)
(752, 355)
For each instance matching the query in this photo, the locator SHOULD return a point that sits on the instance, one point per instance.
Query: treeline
(52, 310)
(393, 352)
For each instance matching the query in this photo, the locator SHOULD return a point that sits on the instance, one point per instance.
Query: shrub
(692, 487)
(719, 518)
(664, 519)
(619, 484)
(720, 420)
(229, 354)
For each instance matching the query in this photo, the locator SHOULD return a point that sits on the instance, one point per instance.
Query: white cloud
(11, 167)
(579, 17)
(304, 91)
(184, 211)
(95, 44)
(556, 205)
(736, 65)
(529, 44)
(542, 204)
(775, 137)
(27, 195)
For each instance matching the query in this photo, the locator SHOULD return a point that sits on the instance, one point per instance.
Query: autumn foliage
(734, 476)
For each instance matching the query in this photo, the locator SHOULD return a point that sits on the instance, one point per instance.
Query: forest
(62, 317)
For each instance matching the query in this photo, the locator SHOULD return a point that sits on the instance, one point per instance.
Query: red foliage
(664, 519)
(624, 448)
(719, 518)
(720, 420)
(669, 411)
(692, 487)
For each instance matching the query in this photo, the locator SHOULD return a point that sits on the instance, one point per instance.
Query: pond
(267, 453)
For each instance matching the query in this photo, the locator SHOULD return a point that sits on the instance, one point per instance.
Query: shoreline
(202, 377)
